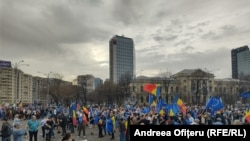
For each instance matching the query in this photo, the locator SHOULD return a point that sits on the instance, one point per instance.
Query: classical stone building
(193, 86)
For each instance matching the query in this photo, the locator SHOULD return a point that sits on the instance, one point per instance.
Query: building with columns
(193, 86)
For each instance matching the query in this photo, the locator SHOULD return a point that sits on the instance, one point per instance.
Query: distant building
(7, 85)
(193, 86)
(121, 58)
(74, 82)
(15, 85)
(243, 59)
(240, 61)
(86, 82)
(98, 82)
(39, 90)
(25, 93)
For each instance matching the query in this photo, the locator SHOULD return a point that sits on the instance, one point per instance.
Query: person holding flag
(82, 122)
(72, 112)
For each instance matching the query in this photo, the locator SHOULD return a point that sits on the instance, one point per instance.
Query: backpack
(9, 130)
(100, 122)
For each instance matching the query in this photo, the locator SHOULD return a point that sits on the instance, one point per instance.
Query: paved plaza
(58, 136)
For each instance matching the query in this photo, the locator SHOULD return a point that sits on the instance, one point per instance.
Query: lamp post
(16, 66)
(48, 85)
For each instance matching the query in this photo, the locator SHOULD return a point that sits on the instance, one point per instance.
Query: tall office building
(243, 63)
(121, 58)
(239, 60)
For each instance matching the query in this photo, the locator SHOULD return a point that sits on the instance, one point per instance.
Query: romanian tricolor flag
(73, 112)
(247, 116)
(182, 106)
(153, 89)
(85, 110)
(180, 103)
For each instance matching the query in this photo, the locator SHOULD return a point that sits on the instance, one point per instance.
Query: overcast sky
(71, 37)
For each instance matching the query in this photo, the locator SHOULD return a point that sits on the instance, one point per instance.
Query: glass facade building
(121, 58)
(244, 63)
(235, 60)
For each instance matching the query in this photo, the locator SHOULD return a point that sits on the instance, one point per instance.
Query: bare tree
(81, 96)
(124, 85)
(55, 86)
(105, 93)
(68, 93)
(166, 80)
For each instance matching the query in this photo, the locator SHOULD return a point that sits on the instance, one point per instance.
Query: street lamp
(16, 66)
(48, 85)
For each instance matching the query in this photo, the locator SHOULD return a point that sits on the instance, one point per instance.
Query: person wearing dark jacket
(70, 124)
(48, 128)
(63, 123)
(4, 130)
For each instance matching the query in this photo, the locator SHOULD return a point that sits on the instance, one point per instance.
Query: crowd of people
(108, 120)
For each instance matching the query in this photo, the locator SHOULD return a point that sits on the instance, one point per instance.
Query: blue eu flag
(214, 104)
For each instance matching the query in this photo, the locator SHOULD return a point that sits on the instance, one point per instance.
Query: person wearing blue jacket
(18, 132)
(110, 125)
(33, 125)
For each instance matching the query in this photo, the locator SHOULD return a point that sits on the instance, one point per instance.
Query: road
(58, 136)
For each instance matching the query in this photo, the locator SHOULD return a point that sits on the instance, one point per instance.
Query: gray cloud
(185, 59)
(71, 36)
(162, 38)
(209, 35)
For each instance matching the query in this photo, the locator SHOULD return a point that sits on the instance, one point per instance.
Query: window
(176, 90)
(184, 88)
